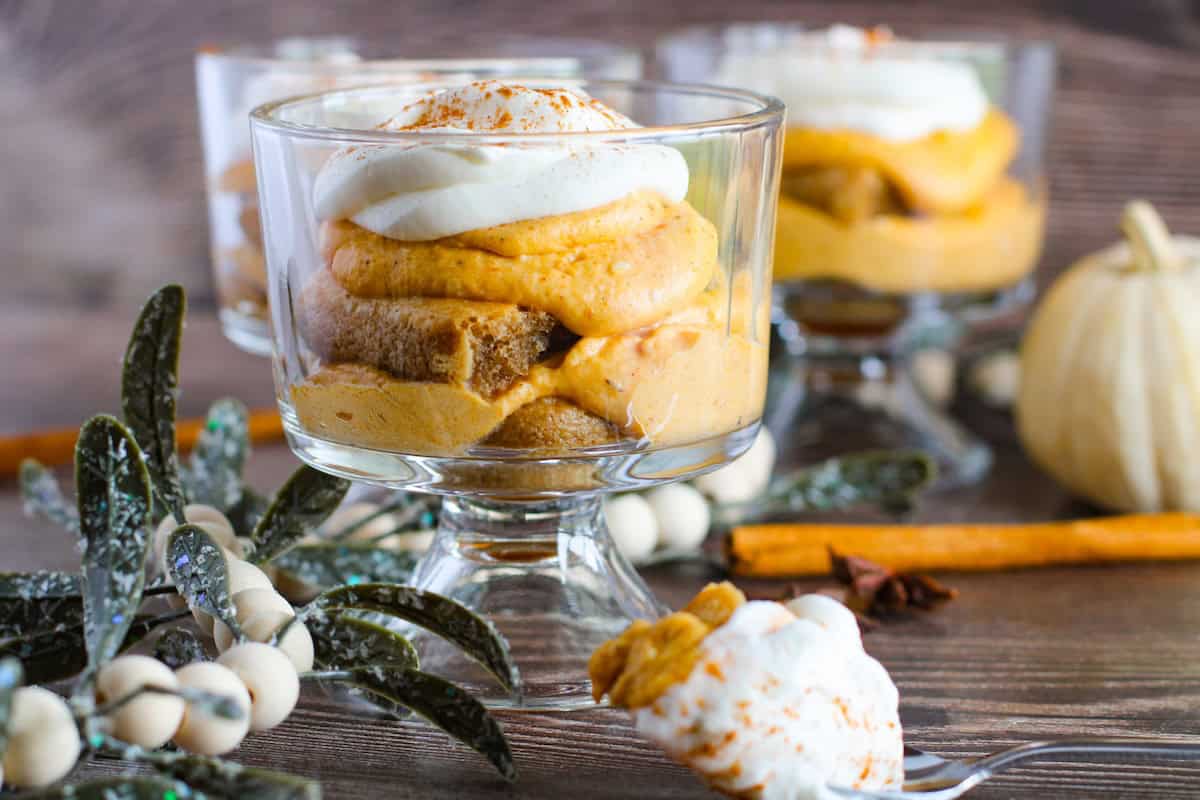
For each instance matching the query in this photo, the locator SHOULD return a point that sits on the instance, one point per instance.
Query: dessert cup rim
(919, 45)
(575, 50)
(767, 110)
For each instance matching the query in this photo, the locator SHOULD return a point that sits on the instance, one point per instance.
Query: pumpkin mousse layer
(895, 167)
(607, 321)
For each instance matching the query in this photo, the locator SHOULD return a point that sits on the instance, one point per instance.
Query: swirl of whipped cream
(783, 698)
(850, 79)
(426, 191)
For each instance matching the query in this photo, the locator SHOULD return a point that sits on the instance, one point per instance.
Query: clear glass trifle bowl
(912, 211)
(513, 296)
(231, 82)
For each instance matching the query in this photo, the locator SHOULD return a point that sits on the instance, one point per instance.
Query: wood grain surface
(1020, 656)
(102, 197)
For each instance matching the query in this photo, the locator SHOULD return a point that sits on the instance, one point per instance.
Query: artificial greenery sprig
(151, 527)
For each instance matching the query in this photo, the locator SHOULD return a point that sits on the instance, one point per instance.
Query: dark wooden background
(101, 197)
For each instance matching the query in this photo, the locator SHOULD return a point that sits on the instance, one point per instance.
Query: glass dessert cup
(524, 366)
(231, 82)
(890, 236)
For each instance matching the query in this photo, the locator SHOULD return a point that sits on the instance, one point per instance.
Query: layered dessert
(762, 699)
(896, 165)
(544, 297)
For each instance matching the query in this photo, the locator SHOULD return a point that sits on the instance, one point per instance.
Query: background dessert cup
(231, 82)
(912, 207)
(513, 296)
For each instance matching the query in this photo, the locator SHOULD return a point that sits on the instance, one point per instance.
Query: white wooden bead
(204, 733)
(249, 603)
(199, 512)
(244, 575)
(414, 542)
(214, 523)
(270, 678)
(43, 741)
(349, 514)
(150, 719)
(682, 513)
(632, 525)
(744, 478)
(297, 643)
(829, 614)
(997, 378)
(934, 371)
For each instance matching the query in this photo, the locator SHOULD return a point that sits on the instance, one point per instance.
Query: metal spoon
(928, 777)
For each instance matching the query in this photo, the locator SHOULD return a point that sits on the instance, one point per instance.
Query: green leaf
(39, 601)
(179, 646)
(12, 676)
(445, 705)
(245, 516)
(114, 499)
(197, 567)
(214, 474)
(219, 778)
(123, 787)
(149, 383)
(43, 496)
(343, 641)
(440, 615)
(60, 653)
(40, 584)
(300, 505)
(887, 479)
(326, 564)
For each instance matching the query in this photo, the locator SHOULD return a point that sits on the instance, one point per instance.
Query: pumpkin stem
(1148, 236)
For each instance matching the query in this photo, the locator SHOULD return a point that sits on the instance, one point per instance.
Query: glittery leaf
(219, 778)
(888, 479)
(197, 567)
(43, 496)
(343, 641)
(445, 705)
(149, 384)
(440, 615)
(114, 498)
(124, 787)
(12, 676)
(300, 506)
(179, 646)
(60, 652)
(245, 516)
(328, 564)
(39, 601)
(214, 472)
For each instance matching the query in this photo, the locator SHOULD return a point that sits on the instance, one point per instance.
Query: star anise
(878, 591)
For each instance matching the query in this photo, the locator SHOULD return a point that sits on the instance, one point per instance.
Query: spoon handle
(1089, 746)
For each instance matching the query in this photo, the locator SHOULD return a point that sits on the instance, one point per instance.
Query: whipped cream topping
(851, 79)
(784, 698)
(425, 191)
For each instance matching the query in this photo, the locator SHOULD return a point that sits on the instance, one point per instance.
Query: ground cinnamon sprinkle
(446, 109)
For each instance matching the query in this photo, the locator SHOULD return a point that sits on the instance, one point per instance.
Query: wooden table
(1020, 656)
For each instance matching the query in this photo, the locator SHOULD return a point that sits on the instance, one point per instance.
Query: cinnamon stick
(56, 447)
(784, 550)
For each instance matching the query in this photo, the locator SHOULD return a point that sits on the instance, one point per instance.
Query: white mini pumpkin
(1109, 402)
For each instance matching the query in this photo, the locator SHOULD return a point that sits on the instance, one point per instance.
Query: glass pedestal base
(249, 333)
(548, 576)
(831, 406)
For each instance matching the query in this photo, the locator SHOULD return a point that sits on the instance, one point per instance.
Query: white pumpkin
(1109, 402)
